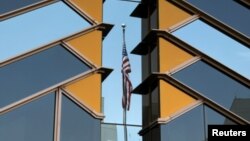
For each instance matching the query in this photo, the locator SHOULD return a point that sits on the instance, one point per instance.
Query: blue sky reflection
(37, 28)
(217, 45)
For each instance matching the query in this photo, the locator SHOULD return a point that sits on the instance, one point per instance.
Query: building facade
(194, 72)
(51, 70)
(195, 69)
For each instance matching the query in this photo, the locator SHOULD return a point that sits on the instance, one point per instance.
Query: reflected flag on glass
(127, 85)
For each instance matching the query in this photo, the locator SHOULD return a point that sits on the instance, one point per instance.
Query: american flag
(127, 85)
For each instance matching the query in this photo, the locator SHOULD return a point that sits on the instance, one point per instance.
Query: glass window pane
(214, 118)
(116, 133)
(37, 28)
(31, 122)
(217, 45)
(37, 72)
(155, 111)
(217, 86)
(239, 17)
(179, 128)
(9, 5)
(154, 60)
(109, 132)
(77, 125)
(146, 113)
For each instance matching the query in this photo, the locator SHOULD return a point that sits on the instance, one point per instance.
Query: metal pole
(125, 126)
(124, 92)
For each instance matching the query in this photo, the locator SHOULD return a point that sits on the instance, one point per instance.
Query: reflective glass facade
(10, 5)
(32, 121)
(116, 132)
(197, 120)
(50, 70)
(37, 28)
(76, 124)
(219, 46)
(37, 72)
(220, 10)
(195, 67)
(175, 131)
(195, 70)
(216, 86)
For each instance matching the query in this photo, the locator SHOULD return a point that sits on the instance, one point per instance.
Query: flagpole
(125, 124)
(125, 108)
